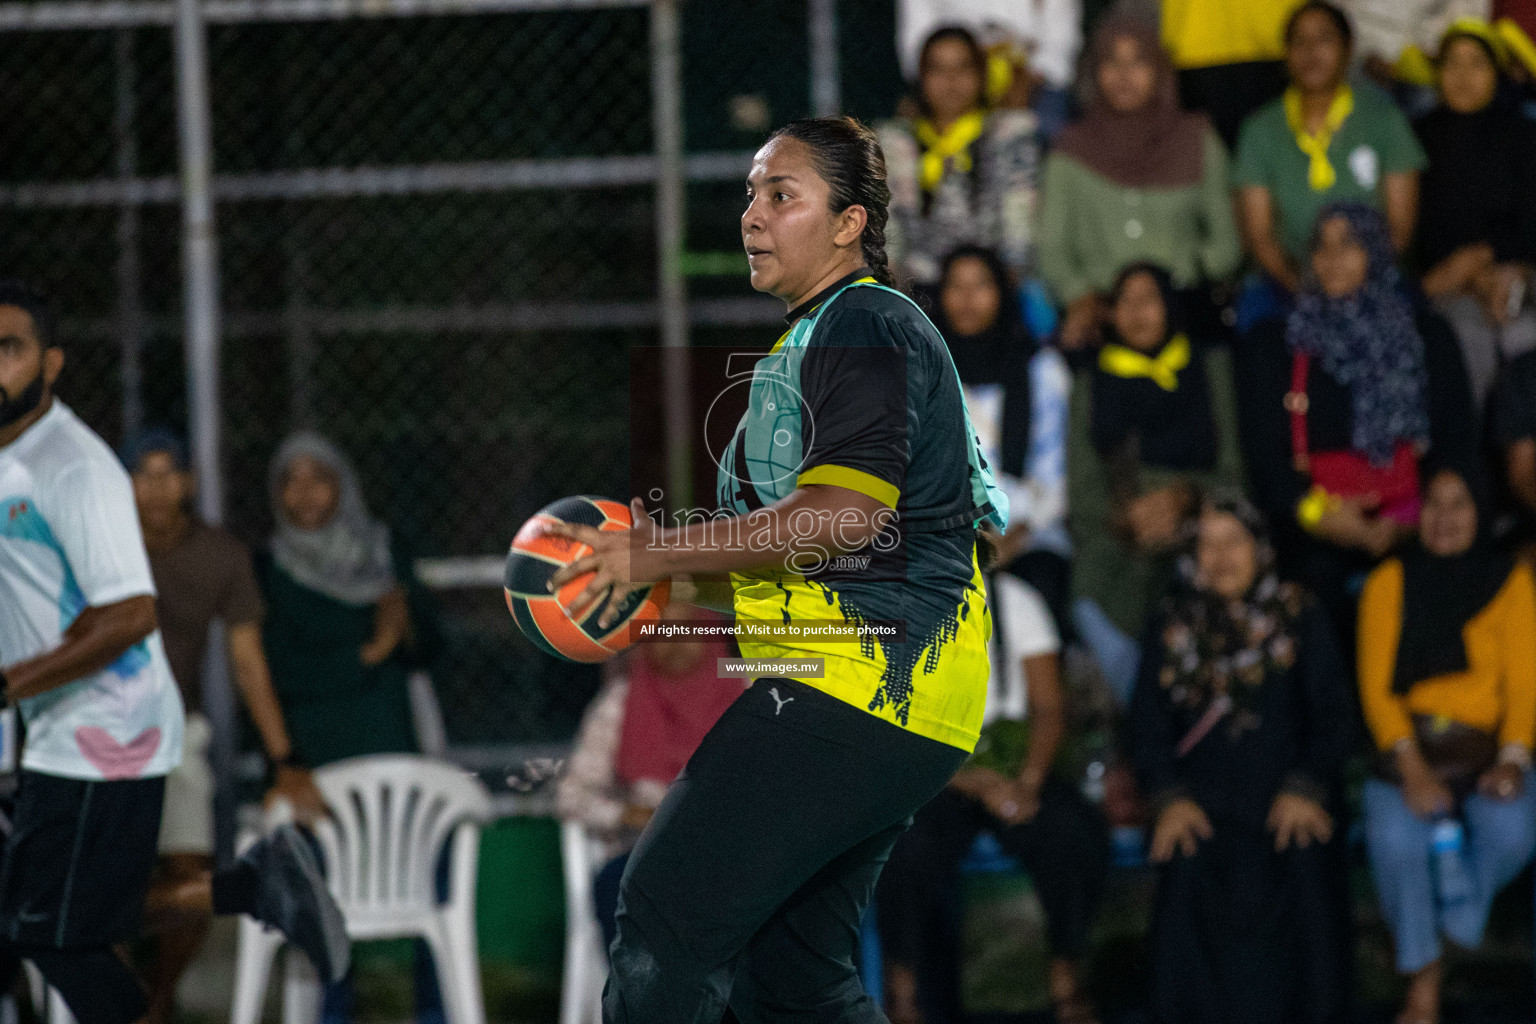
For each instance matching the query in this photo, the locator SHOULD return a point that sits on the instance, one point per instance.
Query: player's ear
(53, 365)
(850, 225)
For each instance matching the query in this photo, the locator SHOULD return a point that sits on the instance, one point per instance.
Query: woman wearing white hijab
(337, 619)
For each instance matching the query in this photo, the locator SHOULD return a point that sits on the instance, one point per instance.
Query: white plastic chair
(586, 965)
(46, 999)
(391, 815)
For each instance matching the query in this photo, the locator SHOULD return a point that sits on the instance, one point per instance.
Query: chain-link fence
(437, 229)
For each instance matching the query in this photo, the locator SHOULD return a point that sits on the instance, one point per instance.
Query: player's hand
(610, 563)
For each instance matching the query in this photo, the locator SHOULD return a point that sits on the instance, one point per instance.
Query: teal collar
(826, 293)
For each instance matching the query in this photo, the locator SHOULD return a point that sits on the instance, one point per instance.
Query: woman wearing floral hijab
(1341, 401)
(1240, 729)
(337, 617)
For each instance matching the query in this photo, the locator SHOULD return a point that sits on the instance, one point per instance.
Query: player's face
(1139, 315)
(310, 493)
(1226, 557)
(970, 297)
(1468, 78)
(1317, 54)
(160, 489)
(789, 232)
(27, 369)
(1448, 524)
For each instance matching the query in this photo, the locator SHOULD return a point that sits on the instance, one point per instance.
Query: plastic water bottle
(1453, 880)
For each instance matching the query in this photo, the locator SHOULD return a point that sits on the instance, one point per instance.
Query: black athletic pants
(77, 865)
(749, 884)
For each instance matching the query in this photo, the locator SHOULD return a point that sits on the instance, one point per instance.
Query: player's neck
(847, 265)
(160, 537)
(10, 433)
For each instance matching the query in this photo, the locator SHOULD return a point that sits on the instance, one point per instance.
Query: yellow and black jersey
(861, 393)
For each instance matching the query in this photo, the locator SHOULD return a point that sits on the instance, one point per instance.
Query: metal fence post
(672, 288)
(200, 256)
(200, 325)
(826, 80)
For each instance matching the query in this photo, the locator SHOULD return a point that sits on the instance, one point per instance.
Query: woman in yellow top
(850, 495)
(1447, 662)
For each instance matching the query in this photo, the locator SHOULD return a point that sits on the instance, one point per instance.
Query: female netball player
(748, 886)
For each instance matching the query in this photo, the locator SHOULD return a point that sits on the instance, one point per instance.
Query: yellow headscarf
(1320, 173)
(1162, 370)
(953, 144)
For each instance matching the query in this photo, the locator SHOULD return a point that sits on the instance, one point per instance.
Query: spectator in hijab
(1398, 38)
(1016, 393)
(1477, 221)
(1230, 56)
(1341, 400)
(1007, 788)
(1240, 728)
(657, 702)
(960, 172)
(1448, 685)
(337, 621)
(338, 633)
(1032, 47)
(1324, 141)
(1136, 180)
(201, 573)
(1153, 424)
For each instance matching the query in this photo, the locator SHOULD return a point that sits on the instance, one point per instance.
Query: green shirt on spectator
(1091, 227)
(1374, 141)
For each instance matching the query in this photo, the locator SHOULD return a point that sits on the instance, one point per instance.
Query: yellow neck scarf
(1162, 370)
(1320, 173)
(954, 144)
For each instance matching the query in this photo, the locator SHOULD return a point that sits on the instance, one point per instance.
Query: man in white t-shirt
(1038, 819)
(81, 657)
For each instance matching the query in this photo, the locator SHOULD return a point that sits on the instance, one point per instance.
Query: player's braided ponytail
(848, 157)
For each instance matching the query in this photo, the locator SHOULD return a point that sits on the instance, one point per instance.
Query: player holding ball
(748, 886)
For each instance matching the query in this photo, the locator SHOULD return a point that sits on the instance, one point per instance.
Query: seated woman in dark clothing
(1152, 422)
(335, 634)
(337, 616)
(1240, 729)
(1340, 402)
(1006, 788)
(1477, 208)
(1016, 394)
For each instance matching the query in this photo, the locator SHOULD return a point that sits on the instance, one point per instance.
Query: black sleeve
(855, 417)
(1263, 377)
(1328, 713)
(1453, 421)
(1153, 731)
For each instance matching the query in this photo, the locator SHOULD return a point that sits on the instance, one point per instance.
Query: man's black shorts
(78, 860)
